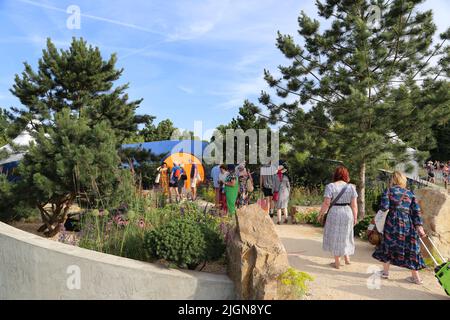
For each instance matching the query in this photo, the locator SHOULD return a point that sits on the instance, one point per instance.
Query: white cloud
(94, 17)
(191, 32)
(195, 19)
(186, 89)
(236, 93)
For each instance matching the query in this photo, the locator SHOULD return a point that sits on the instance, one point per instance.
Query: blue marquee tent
(169, 147)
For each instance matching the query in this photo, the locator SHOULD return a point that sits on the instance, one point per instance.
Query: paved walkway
(353, 282)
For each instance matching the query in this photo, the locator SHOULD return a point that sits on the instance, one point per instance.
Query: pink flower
(141, 223)
(118, 219)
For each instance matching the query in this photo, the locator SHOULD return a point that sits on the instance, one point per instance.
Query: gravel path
(353, 282)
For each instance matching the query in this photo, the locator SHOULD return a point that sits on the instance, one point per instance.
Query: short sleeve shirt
(332, 190)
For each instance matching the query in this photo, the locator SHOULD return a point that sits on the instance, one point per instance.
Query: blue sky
(189, 60)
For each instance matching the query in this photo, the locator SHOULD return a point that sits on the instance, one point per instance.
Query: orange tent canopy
(187, 160)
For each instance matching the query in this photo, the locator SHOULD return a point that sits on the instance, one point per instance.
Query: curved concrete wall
(32, 267)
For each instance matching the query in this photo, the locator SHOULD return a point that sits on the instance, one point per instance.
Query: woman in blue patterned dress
(400, 245)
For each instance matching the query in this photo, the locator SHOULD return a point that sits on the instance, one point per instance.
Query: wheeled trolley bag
(442, 271)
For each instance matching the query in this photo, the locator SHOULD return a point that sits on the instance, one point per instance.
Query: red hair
(341, 173)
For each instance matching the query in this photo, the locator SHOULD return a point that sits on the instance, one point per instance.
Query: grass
(302, 196)
(207, 193)
(122, 230)
(309, 217)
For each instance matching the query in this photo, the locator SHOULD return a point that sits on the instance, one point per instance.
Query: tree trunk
(53, 220)
(362, 192)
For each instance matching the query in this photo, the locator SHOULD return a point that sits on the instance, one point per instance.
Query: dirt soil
(30, 227)
(352, 282)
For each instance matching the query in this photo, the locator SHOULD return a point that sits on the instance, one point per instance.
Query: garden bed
(147, 232)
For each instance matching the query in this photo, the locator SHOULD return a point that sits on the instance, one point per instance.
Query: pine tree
(4, 125)
(79, 120)
(442, 136)
(70, 160)
(249, 117)
(361, 82)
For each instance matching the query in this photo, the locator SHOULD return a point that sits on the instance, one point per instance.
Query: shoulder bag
(376, 226)
(324, 219)
(249, 182)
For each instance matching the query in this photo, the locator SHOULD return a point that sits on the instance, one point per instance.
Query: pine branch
(317, 78)
(309, 71)
(396, 45)
(429, 58)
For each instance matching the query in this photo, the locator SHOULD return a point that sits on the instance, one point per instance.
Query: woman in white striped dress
(338, 232)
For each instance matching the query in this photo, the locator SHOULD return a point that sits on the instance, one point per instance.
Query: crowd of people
(438, 171)
(173, 180)
(234, 184)
(400, 245)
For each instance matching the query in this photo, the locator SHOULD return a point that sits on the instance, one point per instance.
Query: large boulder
(256, 256)
(435, 205)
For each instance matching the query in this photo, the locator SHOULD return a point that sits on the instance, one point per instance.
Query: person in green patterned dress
(231, 189)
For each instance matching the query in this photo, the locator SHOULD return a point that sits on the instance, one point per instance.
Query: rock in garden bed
(435, 205)
(256, 256)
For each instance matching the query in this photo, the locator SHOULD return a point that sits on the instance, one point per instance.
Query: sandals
(333, 264)
(383, 275)
(414, 280)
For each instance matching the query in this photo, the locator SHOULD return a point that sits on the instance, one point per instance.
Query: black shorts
(267, 192)
(173, 185)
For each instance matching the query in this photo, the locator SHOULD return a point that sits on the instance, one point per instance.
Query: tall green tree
(360, 81)
(442, 135)
(163, 131)
(4, 125)
(248, 118)
(79, 120)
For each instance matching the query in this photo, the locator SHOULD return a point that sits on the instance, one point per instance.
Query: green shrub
(360, 229)
(189, 209)
(215, 244)
(293, 284)
(207, 193)
(308, 218)
(180, 241)
(301, 196)
(373, 199)
(186, 241)
(12, 207)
